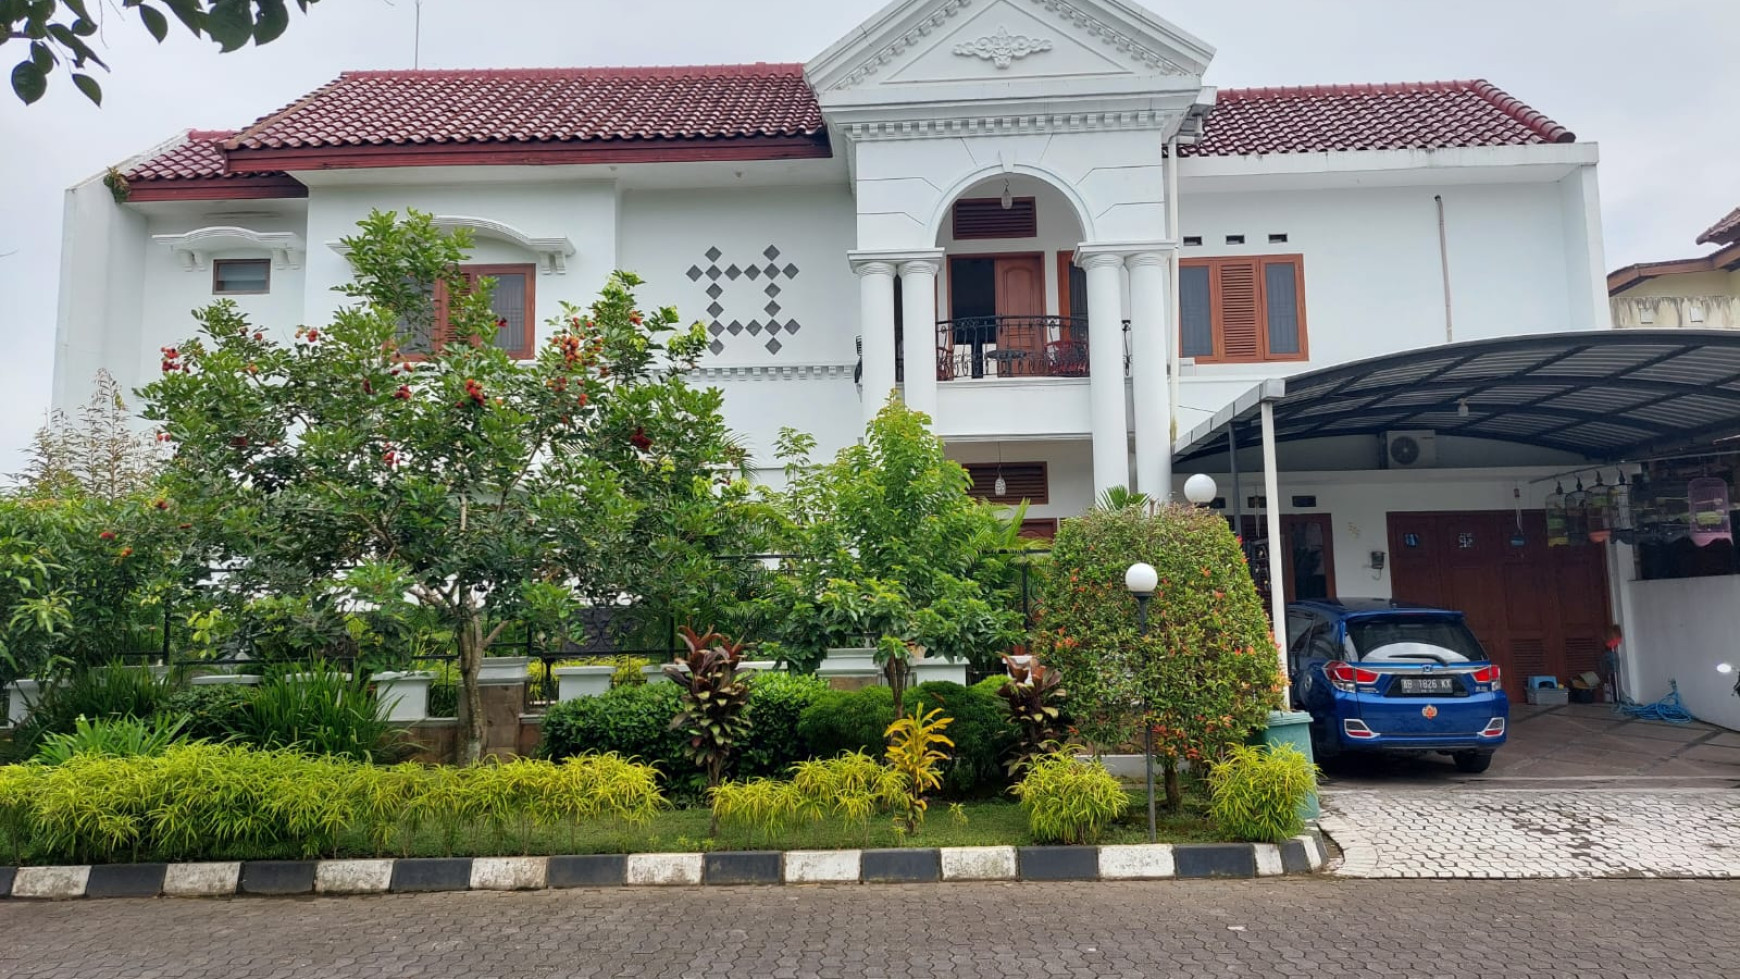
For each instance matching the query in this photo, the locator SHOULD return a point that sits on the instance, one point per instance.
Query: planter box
(504, 669)
(857, 663)
(926, 670)
(21, 695)
(1293, 728)
(656, 672)
(574, 682)
(1549, 696)
(404, 696)
(213, 679)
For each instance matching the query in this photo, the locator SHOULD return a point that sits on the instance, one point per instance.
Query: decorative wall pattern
(744, 285)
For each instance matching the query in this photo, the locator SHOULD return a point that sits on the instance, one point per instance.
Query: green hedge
(634, 722)
(776, 703)
(841, 721)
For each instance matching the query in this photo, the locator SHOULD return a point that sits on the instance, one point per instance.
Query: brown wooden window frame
(219, 264)
(1029, 205)
(989, 471)
(528, 269)
(1038, 528)
(1217, 311)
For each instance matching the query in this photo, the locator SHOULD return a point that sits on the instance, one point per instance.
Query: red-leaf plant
(1034, 696)
(715, 701)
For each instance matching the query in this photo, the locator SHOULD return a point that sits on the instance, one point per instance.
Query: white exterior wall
(807, 383)
(582, 211)
(1069, 469)
(172, 292)
(102, 267)
(1373, 281)
(1680, 629)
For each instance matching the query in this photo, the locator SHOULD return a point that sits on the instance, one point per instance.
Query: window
(1191, 241)
(1039, 528)
(512, 300)
(1235, 239)
(986, 217)
(241, 276)
(1242, 310)
(1021, 481)
(1072, 292)
(1280, 239)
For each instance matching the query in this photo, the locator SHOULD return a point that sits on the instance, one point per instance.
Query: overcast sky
(1655, 82)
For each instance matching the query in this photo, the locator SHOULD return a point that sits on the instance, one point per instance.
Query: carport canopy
(1610, 395)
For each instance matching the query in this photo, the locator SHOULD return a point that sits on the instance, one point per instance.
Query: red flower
(639, 439)
(634, 317)
(368, 386)
(106, 535)
(501, 322)
(126, 552)
(474, 391)
(313, 336)
(161, 504)
(259, 336)
(403, 393)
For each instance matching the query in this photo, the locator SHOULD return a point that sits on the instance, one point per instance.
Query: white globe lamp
(1141, 579)
(1200, 489)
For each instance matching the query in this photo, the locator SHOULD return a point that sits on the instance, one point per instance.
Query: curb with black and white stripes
(1302, 854)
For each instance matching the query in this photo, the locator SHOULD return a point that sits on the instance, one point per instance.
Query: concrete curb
(1301, 855)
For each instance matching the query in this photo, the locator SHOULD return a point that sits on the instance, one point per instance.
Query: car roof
(1349, 608)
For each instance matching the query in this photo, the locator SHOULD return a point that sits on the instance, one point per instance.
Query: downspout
(1444, 268)
(1176, 317)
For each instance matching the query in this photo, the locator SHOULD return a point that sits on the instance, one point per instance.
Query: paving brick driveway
(1577, 792)
(1294, 927)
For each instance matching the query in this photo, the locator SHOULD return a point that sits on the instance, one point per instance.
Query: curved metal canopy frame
(1608, 395)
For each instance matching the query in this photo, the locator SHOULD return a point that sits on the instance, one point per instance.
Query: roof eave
(735, 148)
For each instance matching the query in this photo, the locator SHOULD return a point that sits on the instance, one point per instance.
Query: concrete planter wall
(214, 679)
(21, 695)
(850, 664)
(404, 696)
(504, 669)
(574, 682)
(926, 670)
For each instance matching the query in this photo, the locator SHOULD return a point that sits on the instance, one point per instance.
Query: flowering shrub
(1207, 670)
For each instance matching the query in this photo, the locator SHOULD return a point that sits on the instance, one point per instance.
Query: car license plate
(1428, 684)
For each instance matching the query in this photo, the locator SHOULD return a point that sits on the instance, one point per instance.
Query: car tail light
(1355, 728)
(1348, 677)
(1487, 674)
(1494, 728)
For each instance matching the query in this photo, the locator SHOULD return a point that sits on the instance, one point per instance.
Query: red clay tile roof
(374, 108)
(199, 155)
(731, 103)
(1723, 232)
(1410, 115)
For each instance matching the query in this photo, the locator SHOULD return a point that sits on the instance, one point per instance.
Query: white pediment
(917, 45)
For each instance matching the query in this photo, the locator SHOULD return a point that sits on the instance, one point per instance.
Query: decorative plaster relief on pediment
(1002, 48)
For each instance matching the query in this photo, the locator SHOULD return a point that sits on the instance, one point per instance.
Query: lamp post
(1141, 579)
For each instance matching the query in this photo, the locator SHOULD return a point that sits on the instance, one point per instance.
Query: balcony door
(997, 305)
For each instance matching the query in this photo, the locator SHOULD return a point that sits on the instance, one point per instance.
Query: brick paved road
(1297, 927)
(1535, 833)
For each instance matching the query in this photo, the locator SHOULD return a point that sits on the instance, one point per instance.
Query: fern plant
(715, 701)
(914, 744)
(1069, 800)
(1256, 792)
(122, 737)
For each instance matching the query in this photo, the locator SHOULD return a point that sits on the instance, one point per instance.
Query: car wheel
(1472, 762)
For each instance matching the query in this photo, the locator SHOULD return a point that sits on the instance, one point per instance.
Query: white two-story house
(1029, 217)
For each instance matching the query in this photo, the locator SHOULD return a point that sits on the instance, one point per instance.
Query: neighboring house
(1701, 293)
(981, 202)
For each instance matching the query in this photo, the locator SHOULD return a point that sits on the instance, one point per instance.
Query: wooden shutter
(1021, 481)
(984, 217)
(1239, 306)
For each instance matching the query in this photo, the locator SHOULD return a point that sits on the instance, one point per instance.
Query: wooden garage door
(1537, 609)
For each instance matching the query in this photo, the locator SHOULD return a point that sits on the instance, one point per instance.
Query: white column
(1106, 371)
(1149, 336)
(918, 317)
(1277, 573)
(876, 326)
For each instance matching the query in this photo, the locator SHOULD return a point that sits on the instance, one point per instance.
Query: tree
(890, 548)
(470, 486)
(58, 31)
(103, 454)
(1206, 672)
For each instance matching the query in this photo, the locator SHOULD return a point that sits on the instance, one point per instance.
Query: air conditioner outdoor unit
(1410, 449)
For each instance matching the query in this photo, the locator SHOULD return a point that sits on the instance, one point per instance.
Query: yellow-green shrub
(1257, 792)
(1069, 800)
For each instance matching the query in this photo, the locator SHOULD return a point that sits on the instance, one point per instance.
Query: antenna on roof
(417, 36)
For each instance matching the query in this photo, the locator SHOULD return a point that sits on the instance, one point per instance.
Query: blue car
(1383, 676)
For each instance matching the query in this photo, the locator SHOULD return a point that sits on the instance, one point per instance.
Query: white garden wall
(1680, 630)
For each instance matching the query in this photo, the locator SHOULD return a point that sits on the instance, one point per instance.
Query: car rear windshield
(1414, 640)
